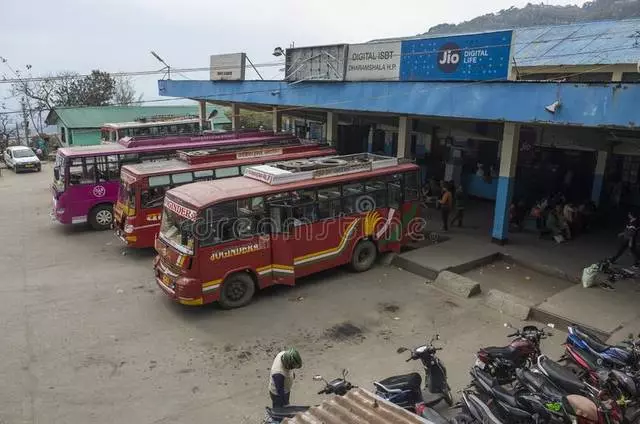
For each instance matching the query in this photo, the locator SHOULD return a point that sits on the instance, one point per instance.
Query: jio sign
(449, 57)
(477, 57)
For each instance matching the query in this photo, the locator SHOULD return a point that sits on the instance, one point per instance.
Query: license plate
(29, 166)
(166, 281)
(480, 364)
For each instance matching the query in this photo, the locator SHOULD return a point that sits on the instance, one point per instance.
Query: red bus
(222, 240)
(142, 187)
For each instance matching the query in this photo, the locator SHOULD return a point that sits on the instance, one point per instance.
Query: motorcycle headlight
(128, 228)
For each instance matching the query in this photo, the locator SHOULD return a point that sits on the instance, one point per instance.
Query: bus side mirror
(56, 173)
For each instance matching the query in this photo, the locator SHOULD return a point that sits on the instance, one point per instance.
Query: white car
(21, 158)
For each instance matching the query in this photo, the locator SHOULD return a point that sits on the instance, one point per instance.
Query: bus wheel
(364, 256)
(237, 290)
(101, 217)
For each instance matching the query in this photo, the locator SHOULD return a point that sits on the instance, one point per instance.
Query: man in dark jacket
(628, 239)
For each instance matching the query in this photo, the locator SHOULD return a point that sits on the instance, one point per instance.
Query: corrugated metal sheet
(95, 116)
(358, 406)
(593, 43)
(587, 43)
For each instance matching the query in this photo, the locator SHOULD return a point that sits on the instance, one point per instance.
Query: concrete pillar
(617, 76)
(235, 116)
(202, 113)
(372, 129)
(598, 177)
(506, 181)
(276, 120)
(404, 137)
(332, 128)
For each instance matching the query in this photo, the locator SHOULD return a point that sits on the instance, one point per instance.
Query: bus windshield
(177, 231)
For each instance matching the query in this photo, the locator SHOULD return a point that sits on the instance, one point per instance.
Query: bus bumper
(177, 288)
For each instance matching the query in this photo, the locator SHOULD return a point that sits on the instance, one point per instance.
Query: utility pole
(25, 119)
(17, 132)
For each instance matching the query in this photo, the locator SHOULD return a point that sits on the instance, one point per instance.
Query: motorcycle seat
(592, 340)
(411, 381)
(562, 376)
(506, 352)
(538, 383)
(503, 395)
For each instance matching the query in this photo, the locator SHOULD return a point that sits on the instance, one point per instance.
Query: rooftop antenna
(166, 66)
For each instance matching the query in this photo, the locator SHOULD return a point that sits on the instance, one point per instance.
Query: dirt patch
(451, 304)
(389, 307)
(344, 332)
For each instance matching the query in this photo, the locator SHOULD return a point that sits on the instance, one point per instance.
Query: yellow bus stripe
(333, 249)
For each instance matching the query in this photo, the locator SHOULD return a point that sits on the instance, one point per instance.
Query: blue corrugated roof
(589, 43)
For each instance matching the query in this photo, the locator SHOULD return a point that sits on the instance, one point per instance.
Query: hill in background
(541, 14)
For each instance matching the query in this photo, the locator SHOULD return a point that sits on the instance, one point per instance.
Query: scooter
(406, 390)
(338, 386)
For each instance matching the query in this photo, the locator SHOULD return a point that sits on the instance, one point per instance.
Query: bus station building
(514, 114)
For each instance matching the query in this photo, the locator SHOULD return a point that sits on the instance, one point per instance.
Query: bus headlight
(128, 228)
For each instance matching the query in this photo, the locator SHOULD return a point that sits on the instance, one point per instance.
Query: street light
(278, 51)
(159, 59)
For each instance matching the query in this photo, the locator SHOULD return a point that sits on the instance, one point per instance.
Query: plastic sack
(589, 275)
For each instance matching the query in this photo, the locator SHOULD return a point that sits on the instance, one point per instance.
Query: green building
(80, 126)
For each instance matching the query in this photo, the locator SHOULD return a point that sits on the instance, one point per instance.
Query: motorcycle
(603, 396)
(406, 390)
(501, 362)
(521, 405)
(602, 354)
(478, 410)
(338, 386)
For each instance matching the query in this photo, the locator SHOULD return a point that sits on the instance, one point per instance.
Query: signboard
(248, 154)
(477, 57)
(373, 62)
(324, 63)
(228, 66)
(183, 211)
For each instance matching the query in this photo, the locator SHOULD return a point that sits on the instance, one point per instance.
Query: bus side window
(75, 171)
(88, 171)
(220, 225)
(183, 178)
(329, 202)
(107, 168)
(352, 196)
(250, 217)
(152, 197)
(394, 190)
(411, 192)
(377, 192)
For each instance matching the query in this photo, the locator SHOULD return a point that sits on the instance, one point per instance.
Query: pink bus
(86, 178)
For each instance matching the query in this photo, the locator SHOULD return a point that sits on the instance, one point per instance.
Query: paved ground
(549, 287)
(87, 337)
(509, 277)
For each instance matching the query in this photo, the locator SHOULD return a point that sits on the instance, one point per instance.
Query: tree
(252, 119)
(125, 93)
(7, 128)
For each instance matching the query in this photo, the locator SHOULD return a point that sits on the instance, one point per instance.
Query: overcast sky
(117, 35)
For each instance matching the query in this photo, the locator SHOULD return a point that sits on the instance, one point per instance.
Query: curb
(457, 284)
(508, 304)
(414, 268)
(562, 322)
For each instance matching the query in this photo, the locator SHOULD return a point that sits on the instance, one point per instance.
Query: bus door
(282, 246)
